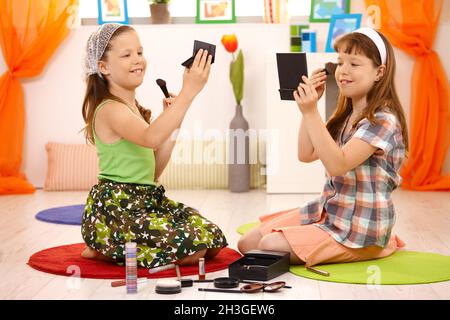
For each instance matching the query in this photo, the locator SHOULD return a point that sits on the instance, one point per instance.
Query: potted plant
(159, 10)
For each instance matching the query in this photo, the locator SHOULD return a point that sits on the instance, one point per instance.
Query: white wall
(53, 100)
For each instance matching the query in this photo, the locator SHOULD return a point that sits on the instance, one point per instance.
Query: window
(187, 8)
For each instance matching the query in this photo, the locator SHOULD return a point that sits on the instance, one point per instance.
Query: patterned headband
(96, 45)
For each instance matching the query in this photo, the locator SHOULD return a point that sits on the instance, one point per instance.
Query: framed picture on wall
(341, 24)
(215, 11)
(112, 11)
(322, 10)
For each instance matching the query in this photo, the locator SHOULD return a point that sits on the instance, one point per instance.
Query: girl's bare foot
(211, 253)
(90, 253)
(192, 259)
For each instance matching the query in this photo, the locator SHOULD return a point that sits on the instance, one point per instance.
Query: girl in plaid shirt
(362, 147)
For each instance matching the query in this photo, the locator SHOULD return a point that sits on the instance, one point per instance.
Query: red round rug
(65, 260)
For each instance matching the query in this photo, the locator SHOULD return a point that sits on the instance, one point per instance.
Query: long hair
(97, 90)
(382, 95)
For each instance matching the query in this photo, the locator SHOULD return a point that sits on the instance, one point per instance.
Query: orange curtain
(411, 26)
(30, 32)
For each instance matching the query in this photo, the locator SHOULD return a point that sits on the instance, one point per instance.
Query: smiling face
(356, 74)
(124, 63)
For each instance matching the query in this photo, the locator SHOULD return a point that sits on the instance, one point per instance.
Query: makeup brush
(321, 272)
(121, 283)
(162, 84)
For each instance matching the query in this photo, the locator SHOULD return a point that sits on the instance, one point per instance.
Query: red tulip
(230, 42)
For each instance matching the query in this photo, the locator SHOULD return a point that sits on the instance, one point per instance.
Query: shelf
(191, 20)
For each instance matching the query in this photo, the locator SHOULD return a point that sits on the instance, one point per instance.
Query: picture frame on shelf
(322, 10)
(215, 11)
(309, 42)
(296, 36)
(112, 11)
(341, 24)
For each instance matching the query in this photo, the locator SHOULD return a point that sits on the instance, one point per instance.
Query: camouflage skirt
(164, 230)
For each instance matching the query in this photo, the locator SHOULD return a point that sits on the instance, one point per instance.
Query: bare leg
(249, 240)
(276, 241)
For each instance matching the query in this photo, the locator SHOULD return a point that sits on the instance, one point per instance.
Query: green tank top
(124, 161)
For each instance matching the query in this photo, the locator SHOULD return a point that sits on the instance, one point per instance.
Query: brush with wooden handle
(120, 283)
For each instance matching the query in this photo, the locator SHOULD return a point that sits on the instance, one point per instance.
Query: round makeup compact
(226, 282)
(168, 286)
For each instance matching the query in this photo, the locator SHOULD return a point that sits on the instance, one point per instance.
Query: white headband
(376, 38)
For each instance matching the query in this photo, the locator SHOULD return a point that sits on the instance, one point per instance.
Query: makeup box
(260, 265)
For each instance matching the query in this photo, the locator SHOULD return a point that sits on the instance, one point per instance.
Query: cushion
(70, 167)
(66, 260)
(74, 167)
(402, 267)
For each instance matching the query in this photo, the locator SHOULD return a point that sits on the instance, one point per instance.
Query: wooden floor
(423, 222)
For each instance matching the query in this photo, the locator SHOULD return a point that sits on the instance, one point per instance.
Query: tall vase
(239, 154)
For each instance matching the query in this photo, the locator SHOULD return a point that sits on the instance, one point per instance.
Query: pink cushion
(70, 167)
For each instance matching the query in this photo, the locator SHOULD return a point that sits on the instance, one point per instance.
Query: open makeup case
(260, 265)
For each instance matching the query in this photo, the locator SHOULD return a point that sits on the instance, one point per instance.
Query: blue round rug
(62, 215)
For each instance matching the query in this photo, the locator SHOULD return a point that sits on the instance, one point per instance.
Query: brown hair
(382, 95)
(97, 90)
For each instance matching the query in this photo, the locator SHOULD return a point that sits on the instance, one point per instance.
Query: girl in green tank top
(127, 204)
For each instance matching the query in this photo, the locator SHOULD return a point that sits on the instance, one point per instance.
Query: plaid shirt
(358, 203)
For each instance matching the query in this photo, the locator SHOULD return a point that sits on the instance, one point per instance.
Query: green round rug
(402, 267)
(246, 227)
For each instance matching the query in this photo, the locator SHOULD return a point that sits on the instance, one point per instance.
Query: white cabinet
(285, 173)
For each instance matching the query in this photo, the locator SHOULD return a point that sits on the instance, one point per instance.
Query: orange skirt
(315, 246)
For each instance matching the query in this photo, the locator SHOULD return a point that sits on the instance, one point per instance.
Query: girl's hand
(167, 102)
(318, 78)
(306, 96)
(195, 78)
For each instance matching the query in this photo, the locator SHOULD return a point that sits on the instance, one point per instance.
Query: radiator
(201, 164)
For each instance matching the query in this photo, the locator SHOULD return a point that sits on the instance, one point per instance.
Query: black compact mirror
(226, 283)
